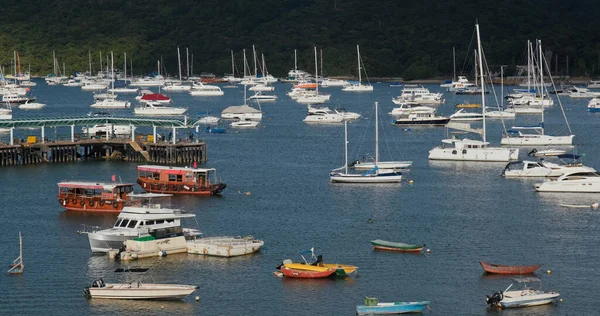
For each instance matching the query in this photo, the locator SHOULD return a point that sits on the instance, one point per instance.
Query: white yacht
(245, 123)
(208, 120)
(582, 93)
(418, 94)
(406, 108)
(157, 109)
(262, 87)
(110, 104)
(309, 98)
(103, 129)
(258, 96)
(176, 87)
(323, 116)
(582, 182)
(141, 221)
(157, 81)
(328, 82)
(73, 83)
(462, 115)
(594, 84)
(203, 90)
(527, 168)
(421, 118)
(32, 106)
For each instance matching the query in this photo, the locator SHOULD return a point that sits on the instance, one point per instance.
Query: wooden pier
(183, 153)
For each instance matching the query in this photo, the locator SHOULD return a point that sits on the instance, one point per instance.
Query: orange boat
(306, 85)
(94, 196)
(502, 269)
(179, 180)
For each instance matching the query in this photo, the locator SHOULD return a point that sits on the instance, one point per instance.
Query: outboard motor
(494, 299)
(532, 152)
(319, 260)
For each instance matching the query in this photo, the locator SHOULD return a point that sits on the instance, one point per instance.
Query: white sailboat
(177, 86)
(124, 89)
(516, 137)
(314, 98)
(111, 102)
(242, 112)
(375, 175)
(358, 87)
(474, 150)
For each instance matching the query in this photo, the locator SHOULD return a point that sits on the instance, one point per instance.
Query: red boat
(155, 97)
(502, 269)
(306, 274)
(179, 180)
(306, 85)
(94, 197)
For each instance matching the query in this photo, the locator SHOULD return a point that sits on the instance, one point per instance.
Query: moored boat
(521, 298)
(306, 274)
(94, 196)
(379, 244)
(373, 307)
(504, 269)
(179, 180)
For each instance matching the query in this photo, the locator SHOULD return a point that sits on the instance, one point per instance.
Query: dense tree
(413, 39)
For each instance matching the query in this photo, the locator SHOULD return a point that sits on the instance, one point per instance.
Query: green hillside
(412, 39)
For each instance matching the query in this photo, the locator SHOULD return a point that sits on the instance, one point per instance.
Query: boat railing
(87, 229)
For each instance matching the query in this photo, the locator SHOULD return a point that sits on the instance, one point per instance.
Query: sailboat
(111, 102)
(358, 87)
(375, 175)
(242, 112)
(469, 149)
(123, 89)
(177, 86)
(515, 135)
(314, 98)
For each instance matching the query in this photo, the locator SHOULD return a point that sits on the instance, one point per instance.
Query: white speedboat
(203, 90)
(406, 108)
(141, 221)
(103, 129)
(582, 93)
(594, 105)
(176, 87)
(329, 82)
(421, 118)
(110, 104)
(32, 106)
(494, 113)
(157, 109)
(580, 182)
(526, 168)
(462, 115)
(261, 87)
(324, 117)
(245, 123)
(208, 120)
(137, 290)
(258, 96)
(521, 298)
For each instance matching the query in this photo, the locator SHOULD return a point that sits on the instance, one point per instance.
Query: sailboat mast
(346, 145)
(158, 66)
(90, 61)
(100, 61)
(125, 66)
(475, 57)
(529, 53)
(254, 57)
(454, 64)
(358, 55)
(245, 64)
(295, 60)
(376, 133)
(264, 68)
(179, 63)
(482, 81)
(316, 72)
(112, 72)
(232, 65)
(187, 58)
(15, 63)
(541, 83)
(321, 63)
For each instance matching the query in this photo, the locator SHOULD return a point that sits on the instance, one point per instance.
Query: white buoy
(595, 205)
(197, 298)
(548, 271)
(411, 181)
(428, 250)
(560, 300)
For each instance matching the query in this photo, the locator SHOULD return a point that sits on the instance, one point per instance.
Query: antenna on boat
(17, 265)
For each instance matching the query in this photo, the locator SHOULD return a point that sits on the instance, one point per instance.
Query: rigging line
(557, 96)
(363, 67)
(362, 139)
(468, 53)
(386, 142)
(491, 86)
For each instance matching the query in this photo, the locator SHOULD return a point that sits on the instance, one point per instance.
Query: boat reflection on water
(124, 307)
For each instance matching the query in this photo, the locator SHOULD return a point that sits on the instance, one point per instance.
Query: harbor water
(278, 190)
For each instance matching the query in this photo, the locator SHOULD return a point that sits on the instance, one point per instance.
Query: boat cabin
(94, 196)
(182, 180)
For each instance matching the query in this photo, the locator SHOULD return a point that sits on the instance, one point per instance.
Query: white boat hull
(474, 154)
(358, 178)
(199, 93)
(123, 90)
(526, 298)
(137, 291)
(159, 112)
(242, 116)
(537, 140)
(577, 186)
(224, 246)
(358, 88)
(383, 165)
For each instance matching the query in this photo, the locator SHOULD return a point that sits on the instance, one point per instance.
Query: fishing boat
(94, 196)
(137, 290)
(373, 307)
(375, 175)
(521, 298)
(503, 269)
(179, 180)
(379, 244)
(358, 87)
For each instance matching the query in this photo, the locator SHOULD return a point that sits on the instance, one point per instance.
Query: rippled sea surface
(279, 191)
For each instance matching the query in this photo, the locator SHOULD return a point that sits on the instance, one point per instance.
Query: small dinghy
(373, 307)
(379, 244)
(503, 269)
(546, 152)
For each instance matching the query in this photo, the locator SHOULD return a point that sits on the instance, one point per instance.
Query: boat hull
(224, 246)
(133, 291)
(537, 140)
(503, 269)
(383, 165)
(435, 122)
(306, 274)
(392, 308)
(395, 246)
(581, 186)
(191, 189)
(358, 178)
(96, 205)
(474, 154)
(526, 298)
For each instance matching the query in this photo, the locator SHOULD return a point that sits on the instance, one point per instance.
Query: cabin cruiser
(328, 82)
(313, 98)
(471, 150)
(245, 123)
(258, 96)
(576, 181)
(157, 108)
(176, 86)
(31, 106)
(406, 108)
(329, 115)
(110, 104)
(94, 86)
(594, 105)
(204, 90)
(142, 220)
(136, 289)
(418, 94)
(419, 118)
(462, 115)
(208, 120)
(542, 168)
(528, 296)
(241, 112)
(578, 92)
(16, 99)
(262, 87)
(461, 83)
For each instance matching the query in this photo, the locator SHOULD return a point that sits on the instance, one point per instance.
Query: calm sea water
(463, 212)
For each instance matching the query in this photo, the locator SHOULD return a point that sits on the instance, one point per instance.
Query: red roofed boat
(306, 274)
(179, 180)
(502, 269)
(94, 196)
(155, 97)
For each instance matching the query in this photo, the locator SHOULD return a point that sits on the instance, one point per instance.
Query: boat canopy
(92, 185)
(241, 109)
(172, 170)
